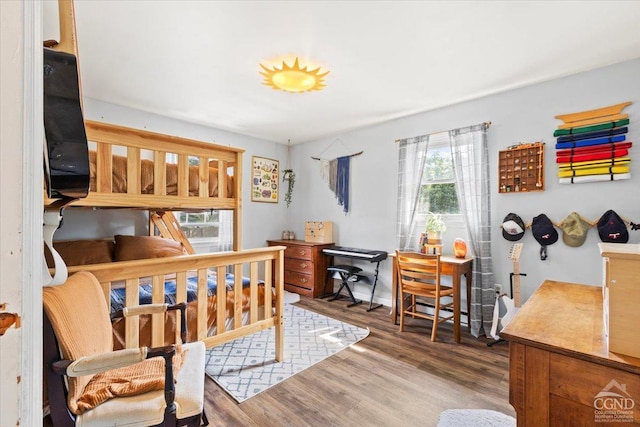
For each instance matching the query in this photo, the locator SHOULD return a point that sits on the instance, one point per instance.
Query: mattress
(119, 177)
(145, 290)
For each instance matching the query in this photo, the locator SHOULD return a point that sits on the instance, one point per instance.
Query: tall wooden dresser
(560, 370)
(621, 292)
(305, 266)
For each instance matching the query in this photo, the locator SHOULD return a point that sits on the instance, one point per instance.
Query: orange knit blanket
(138, 378)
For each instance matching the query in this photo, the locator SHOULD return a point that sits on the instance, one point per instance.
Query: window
(199, 225)
(208, 231)
(173, 158)
(438, 189)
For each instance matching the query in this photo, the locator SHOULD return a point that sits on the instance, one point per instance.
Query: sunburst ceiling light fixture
(293, 79)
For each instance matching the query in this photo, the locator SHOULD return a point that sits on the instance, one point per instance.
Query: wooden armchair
(89, 384)
(419, 278)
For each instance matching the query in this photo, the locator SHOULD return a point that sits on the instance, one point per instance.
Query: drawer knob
(303, 252)
(303, 280)
(303, 265)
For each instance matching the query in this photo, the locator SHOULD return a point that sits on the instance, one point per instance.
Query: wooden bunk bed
(217, 185)
(129, 169)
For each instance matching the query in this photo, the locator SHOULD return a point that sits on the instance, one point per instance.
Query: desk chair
(77, 348)
(419, 278)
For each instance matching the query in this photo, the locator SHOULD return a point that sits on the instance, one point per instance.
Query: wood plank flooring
(388, 379)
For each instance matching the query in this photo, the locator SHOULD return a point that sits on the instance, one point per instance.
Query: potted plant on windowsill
(434, 227)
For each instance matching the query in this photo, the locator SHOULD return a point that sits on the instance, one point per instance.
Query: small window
(199, 225)
(172, 158)
(438, 189)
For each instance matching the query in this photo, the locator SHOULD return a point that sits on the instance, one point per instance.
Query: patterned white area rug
(246, 366)
(291, 297)
(475, 418)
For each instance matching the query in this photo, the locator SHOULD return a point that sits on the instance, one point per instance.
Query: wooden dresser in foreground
(560, 370)
(621, 293)
(305, 266)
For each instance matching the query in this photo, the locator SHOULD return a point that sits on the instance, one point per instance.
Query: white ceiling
(198, 61)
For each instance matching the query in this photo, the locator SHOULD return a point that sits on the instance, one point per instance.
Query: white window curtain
(410, 170)
(471, 164)
(225, 231)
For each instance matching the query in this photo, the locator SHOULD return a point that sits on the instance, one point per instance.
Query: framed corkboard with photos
(265, 179)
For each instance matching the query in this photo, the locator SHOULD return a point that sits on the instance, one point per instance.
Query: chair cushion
(148, 409)
(143, 247)
(79, 316)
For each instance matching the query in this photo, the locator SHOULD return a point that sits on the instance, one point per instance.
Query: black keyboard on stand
(363, 254)
(359, 254)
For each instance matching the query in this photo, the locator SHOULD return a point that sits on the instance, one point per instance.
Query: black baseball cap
(512, 227)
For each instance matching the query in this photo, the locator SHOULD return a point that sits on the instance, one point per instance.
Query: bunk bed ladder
(169, 227)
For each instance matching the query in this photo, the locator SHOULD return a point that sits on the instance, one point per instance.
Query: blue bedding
(118, 295)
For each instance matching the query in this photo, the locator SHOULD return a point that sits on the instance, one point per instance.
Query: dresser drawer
(299, 252)
(300, 265)
(581, 381)
(305, 266)
(299, 279)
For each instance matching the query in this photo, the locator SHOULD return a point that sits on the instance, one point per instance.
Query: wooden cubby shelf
(521, 168)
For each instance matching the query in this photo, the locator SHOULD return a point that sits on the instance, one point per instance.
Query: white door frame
(32, 218)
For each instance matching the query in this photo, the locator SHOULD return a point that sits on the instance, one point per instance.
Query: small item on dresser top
(612, 228)
(512, 227)
(544, 232)
(318, 231)
(574, 230)
(285, 235)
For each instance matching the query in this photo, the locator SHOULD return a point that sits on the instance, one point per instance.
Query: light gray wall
(520, 115)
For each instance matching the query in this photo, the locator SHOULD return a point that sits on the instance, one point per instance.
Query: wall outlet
(498, 289)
